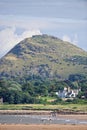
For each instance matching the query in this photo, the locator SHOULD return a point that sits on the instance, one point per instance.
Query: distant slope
(44, 56)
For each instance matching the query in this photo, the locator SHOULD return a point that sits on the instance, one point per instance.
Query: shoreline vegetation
(43, 109)
(40, 112)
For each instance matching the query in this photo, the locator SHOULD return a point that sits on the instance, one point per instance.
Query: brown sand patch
(11, 58)
(77, 117)
(43, 127)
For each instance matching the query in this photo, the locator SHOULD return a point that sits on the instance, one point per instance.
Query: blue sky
(66, 19)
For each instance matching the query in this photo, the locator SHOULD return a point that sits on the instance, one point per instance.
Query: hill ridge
(44, 56)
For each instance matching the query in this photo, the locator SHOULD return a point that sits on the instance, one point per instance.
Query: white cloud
(8, 38)
(75, 40)
(66, 38)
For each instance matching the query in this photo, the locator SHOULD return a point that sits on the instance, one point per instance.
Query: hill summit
(43, 56)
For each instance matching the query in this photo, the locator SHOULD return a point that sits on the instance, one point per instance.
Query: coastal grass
(71, 107)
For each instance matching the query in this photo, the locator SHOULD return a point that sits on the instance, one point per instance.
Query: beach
(43, 127)
(49, 126)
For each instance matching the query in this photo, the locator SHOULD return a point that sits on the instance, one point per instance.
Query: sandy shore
(43, 127)
(77, 117)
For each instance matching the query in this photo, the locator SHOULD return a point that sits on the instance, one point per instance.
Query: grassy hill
(43, 56)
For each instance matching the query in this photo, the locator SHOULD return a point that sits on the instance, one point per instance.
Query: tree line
(13, 92)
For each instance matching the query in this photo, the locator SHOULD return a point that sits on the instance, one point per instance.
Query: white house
(62, 94)
(67, 92)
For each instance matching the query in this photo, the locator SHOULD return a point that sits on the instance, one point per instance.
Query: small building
(67, 92)
(62, 94)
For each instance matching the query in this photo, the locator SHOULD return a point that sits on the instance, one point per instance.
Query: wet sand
(49, 126)
(43, 127)
(77, 117)
(43, 119)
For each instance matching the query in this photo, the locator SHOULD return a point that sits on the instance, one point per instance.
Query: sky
(65, 19)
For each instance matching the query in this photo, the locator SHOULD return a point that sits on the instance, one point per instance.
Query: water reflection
(37, 119)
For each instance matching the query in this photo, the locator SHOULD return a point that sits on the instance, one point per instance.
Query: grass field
(73, 107)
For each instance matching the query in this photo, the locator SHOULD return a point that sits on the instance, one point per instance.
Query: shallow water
(37, 119)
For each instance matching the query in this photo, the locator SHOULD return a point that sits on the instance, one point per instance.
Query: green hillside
(43, 56)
